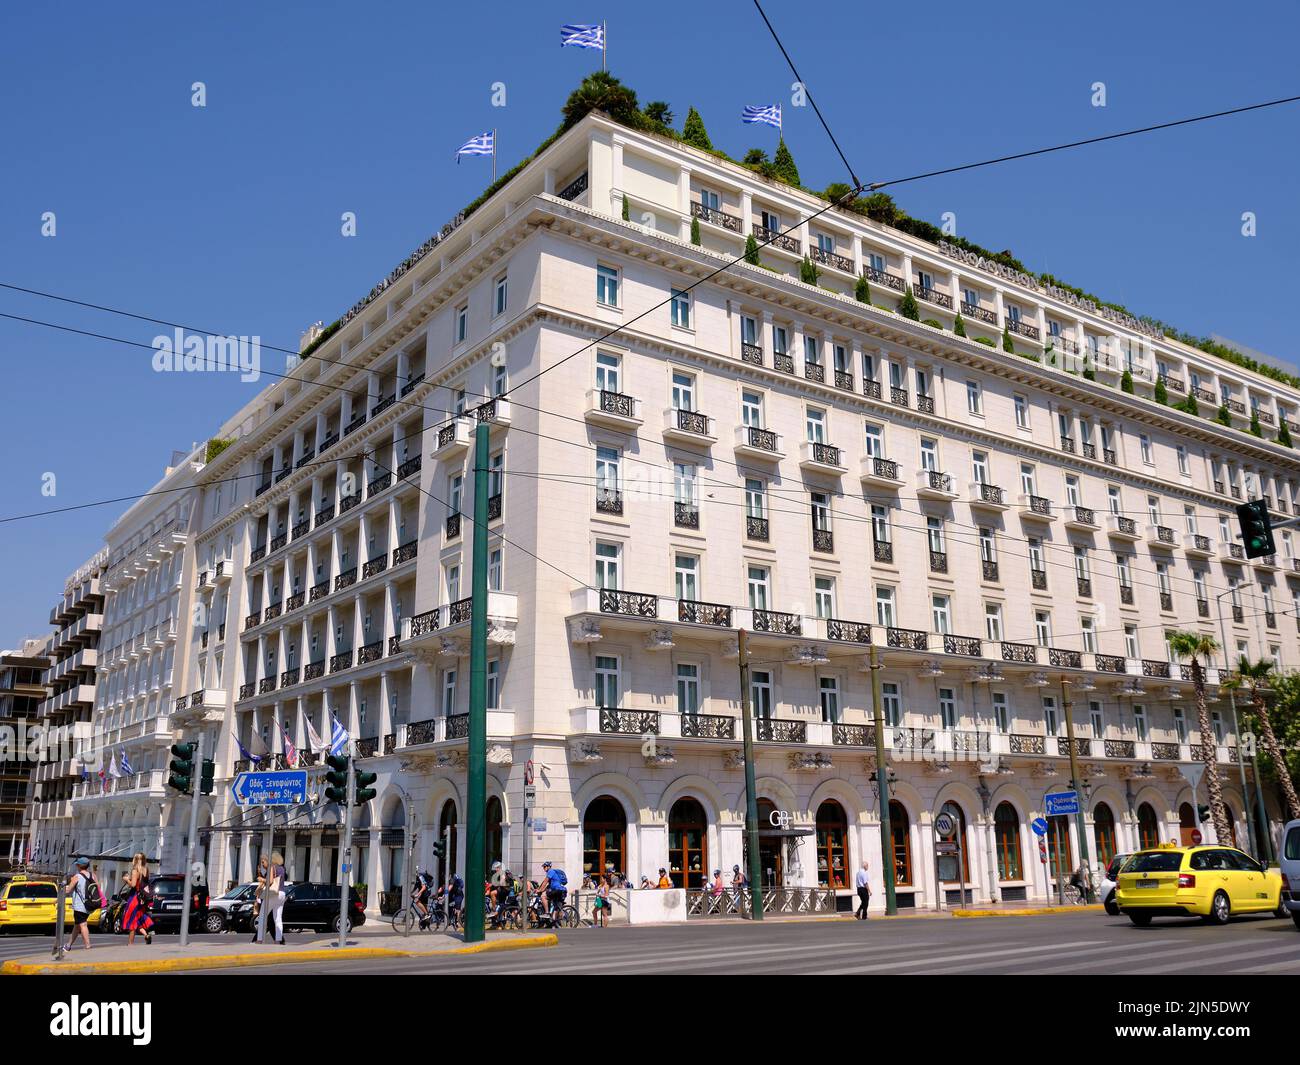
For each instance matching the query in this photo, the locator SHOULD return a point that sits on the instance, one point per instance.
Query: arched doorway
(1103, 832)
(832, 845)
(1006, 839)
(900, 830)
(1186, 823)
(1060, 848)
(688, 851)
(1148, 827)
(604, 837)
(949, 871)
(771, 847)
(494, 837)
(447, 823)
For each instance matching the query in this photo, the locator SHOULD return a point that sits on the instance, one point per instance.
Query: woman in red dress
(136, 918)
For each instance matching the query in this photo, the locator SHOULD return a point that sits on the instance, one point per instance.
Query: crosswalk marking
(1223, 960)
(933, 960)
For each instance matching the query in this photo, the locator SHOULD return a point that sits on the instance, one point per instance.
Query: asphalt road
(1056, 944)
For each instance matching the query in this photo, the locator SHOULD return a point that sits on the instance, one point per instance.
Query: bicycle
(565, 916)
(407, 920)
(1072, 895)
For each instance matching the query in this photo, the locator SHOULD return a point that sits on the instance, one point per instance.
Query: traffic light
(1203, 814)
(440, 849)
(1256, 528)
(337, 778)
(365, 792)
(182, 767)
(207, 775)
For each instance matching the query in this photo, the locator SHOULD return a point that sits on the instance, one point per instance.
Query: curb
(1031, 911)
(228, 961)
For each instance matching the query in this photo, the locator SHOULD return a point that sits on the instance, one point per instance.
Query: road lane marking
(940, 959)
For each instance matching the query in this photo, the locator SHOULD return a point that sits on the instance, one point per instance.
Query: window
(947, 708)
(1072, 496)
(868, 367)
(608, 558)
(1043, 628)
(877, 261)
(875, 441)
(680, 309)
(815, 424)
(1022, 412)
(754, 497)
(608, 374)
(974, 401)
(896, 375)
(757, 582)
(493, 684)
(824, 596)
(608, 460)
(1189, 520)
(748, 331)
(988, 545)
(686, 571)
(880, 523)
(779, 339)
(821, 511)
(709, 199)
(1050, 720)
(885, 606)
(1182, 461)
(1140, 721)
(684, 484)
(751, 409)
(829, 694)
(499, 296)
(1216, 723)
(455, 487)
(1153, 509)
(1180, 724)
(929, 455)
(841, 356)
(1028, 482)
(893, 703)
(1122, 568)
(1036, 555)
(1006, 841)
(448, 692)
(608, 687)
(924, 280)
(1088, 630)
(922, 383)
(760, 693)
(993, 622)
(688, 688)
(1081, 570)
(499, 379)
(683, 391)
(811, 351)
(939, 610)
(607, 286)
(1112, 499)
(453, 583)
(462, 322)
(1001, 714)
(934, 534)
(1096, 719)
(494, 570)
(1131, 641)
(979, 464)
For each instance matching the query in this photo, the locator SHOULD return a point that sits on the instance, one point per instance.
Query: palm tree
(1254, 677)
(1197, 646)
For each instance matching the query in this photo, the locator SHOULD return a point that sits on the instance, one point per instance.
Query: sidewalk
(112, 955)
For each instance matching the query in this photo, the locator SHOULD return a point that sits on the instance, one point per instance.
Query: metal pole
(751, 799)
(409, 871)
(1060, 880)
(1251, 837)
(58, 915)
(1265, 854)
(476, 790)
(270, 846)
(345, 855)
(882, 787)
(189, 849)
(604, 42)
(1066, 704)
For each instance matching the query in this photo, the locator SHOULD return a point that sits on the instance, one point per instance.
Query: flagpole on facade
(604, 43)
(494, 156)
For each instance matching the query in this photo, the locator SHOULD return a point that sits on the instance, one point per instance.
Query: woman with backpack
(86, 898)
(136, 918)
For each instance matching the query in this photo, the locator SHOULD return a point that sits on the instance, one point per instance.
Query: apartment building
(22, 690)
(1011, 530)
(65, 715)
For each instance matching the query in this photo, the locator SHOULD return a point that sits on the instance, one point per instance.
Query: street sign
(1192, 773)
(1042, 849)
(539, 824)
(530, 796)
(287, 787)
(946, 846)
(1039, 825)
(945, 824)
(1062, 803)
(1196, 837)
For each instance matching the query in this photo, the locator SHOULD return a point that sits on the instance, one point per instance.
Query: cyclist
(1079, 879)
(497, 891)
(420, 897)
(557, 887)
(455, 898)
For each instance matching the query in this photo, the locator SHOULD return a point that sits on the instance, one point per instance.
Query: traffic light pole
(882, 785)
(189, 846)
(751, 796)
(476, 784)
(345, 857)
(1079, 828)
(267, 851)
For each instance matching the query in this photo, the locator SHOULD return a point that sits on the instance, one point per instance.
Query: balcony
(370, 652)
(1126, 593)
(279, 541)
(925, 404)
(1197, 545)
(1267, 563)
(495, 413)
(1036, 508)
(290, 677)
(374, 566)
(933, 295)
(755, 443)
(898, 396)
(301, 528)
(1022, 653)
(884, 277)
(823, 540)
(1162, 536)
(871, 389)
(686, 515)
(907, 639)
(883, 551)
(848, 631)
(776, 239)
(757, 528)
(1119, 527)
(409, 466)
(938, 561)
(609, 501)
(831, 259)
(1156, 669)
(1081, 519)
(935, 484)
(1083, 585)
(266, 685)
(783, 361)
(379, 483)
(451, 526)
(821, 458)
(880, 473)
(751, 353)
(453, 439)
(1063, 658)
(979, 314)
(966, 646)
(1233, 551)
(989, 570)
(295, 601)
(721, 219)
(1020, 328)
(341, 661)
(613, 409)
(844, 380)
(326, 513)
(405, 552)
(574, 188)
(1038, 579)
(329, 441)
(814, 371)
(688, 427)
(440, 629)
(692, 612)
(412, 384)
(988, 497)
(1110, 663)
(319, 590)
(345, 579)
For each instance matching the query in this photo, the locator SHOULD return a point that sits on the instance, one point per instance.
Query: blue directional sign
(287, 787)
(1062, 802)
(1039, 825)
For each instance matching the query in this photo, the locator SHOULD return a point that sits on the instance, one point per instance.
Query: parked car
(1214, 883)
(113, 912)
(166, 911)
(28, 902)
(1290, 862)
(1109, 882)
(306, 905)
(220, 916)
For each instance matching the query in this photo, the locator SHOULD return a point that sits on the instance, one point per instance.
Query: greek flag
(582, 36)
(767, 114)
(339, 737)
(126, 764)
(480, 145)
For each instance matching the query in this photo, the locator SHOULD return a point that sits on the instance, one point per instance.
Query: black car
(166, 909)
(111, 921)
(307, 905)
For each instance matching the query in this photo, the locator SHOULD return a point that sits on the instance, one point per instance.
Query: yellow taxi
(31, 900)
(1210, 882)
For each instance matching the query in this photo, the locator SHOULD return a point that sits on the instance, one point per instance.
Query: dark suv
(166, 910)
(307, 905)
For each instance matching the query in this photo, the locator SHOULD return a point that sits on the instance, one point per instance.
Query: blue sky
(227, 217)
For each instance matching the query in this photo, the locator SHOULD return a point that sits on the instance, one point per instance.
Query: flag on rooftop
(582, 36)
(766, 114)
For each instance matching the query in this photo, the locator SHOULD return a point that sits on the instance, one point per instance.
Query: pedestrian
(664, 881)
(84, 890)
(259, 893)
(864, 891)
(600, 907)
(645, 882)
(275, 896)
(737, 882)
(136, 917)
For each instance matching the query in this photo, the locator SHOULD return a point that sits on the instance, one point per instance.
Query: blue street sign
(1063, 802)
(284, 788)
(1039, 825)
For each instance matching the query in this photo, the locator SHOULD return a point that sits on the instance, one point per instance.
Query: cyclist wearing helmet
(557, 887)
